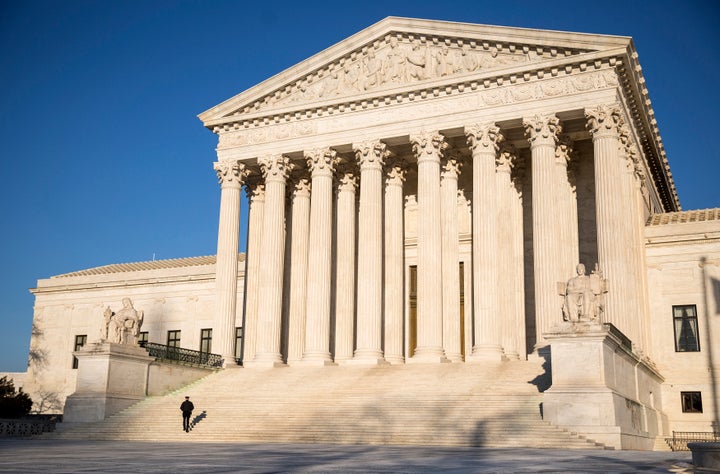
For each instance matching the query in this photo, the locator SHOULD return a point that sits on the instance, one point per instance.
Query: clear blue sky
(104, 160)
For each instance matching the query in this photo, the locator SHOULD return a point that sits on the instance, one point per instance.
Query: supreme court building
(420, 193)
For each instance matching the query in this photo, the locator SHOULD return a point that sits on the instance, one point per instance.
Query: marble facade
(416, 192)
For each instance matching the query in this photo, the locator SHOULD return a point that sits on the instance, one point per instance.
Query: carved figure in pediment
(372, 71)
(469, 60)
(582, 295)
(394, 68)
(445, 62)
(416, 62)
(123, 326)
(349, 77)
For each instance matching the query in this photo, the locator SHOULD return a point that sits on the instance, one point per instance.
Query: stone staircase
(489, 405)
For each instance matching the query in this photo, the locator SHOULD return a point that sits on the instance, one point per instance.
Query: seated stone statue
(582, 294)
(122, 327)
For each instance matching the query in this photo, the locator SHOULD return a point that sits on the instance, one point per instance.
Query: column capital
(395, 173)
(371, 154)
(542, 129)
(255, 187)
(321, 161)
(506, 159)
(231, 173)
(450, 167)
(604, 120)
(484, 137)
(428, 146)
(565, 151)
(347, 180)
(301, 187)
(275, 167)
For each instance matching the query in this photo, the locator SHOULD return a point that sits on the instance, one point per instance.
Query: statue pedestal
(110, 378)
(600, 388)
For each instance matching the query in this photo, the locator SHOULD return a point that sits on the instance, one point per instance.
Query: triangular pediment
(398, 54)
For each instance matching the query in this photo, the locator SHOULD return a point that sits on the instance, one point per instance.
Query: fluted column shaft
(300, 238)
(483, 141)
(566, 214)
(506, 253)
(231, 175)
(317, 329)
(610, 200)
(428, 148)
(450, 259)
(345, 270)
(394, 264)
(542, 133)
(256, 195)
(518, 266)
(370, 157)
(275, 169)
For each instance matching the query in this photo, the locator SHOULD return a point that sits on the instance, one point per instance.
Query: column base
(486, 354)
(428, 359)
(366, 361)
(264, 363)
(395, 360)
(313, 363)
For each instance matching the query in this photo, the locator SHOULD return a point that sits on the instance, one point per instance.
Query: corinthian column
(276, 169)
(610, 199)
(370, 157)
(428, 148)
(256, 194)
(298, 268)
(450, 259)
(483, 141)
(231, 175)
(566, 210)
(345, 261)
(317, 329)
(506, 259)
(542, 133)
(394, 262)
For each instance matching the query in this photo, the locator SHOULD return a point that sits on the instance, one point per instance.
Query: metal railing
(183, 356)
(680, 439)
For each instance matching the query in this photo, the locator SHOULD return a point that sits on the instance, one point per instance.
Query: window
(80, 341)
(686, 328)
(173, 339)
(206, 340)
(142, 338)
(691, 402)
(238, 344)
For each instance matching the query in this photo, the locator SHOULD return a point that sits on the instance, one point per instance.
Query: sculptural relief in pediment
(397, 60)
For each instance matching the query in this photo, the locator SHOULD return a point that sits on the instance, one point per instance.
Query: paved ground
(119, 457)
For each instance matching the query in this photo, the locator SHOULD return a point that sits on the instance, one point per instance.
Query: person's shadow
(197, 419)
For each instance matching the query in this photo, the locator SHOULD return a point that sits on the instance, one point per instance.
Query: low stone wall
(165, 377)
